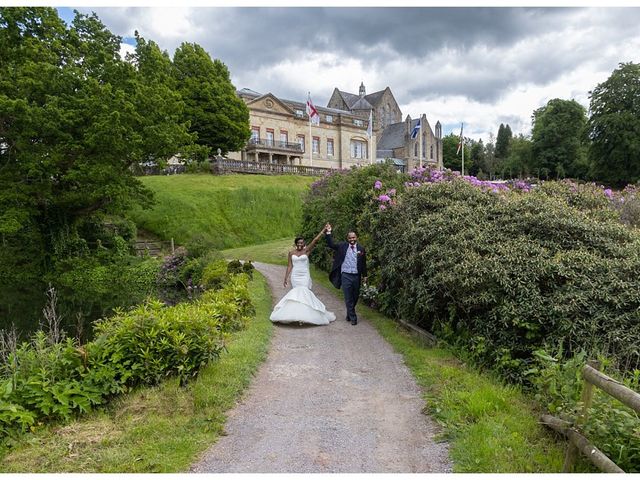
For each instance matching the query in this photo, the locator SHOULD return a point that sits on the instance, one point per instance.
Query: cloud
(485, 66)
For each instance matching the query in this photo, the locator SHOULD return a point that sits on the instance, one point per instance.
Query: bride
(300, 304)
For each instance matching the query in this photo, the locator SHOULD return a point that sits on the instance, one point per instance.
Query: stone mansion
(280, 132)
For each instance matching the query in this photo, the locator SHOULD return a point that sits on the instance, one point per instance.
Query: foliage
(75, 118)
(503, 141)
(519, 163)
(153, 429)
(44, 380)
(611, 426)
(495, 271)
(218, 116)
(558, 137)
(614, 127)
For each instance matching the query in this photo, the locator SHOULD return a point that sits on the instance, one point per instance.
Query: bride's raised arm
(315, 240)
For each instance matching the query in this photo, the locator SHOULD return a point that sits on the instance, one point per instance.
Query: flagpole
(310, 144)
(420, 142)
(462, 141)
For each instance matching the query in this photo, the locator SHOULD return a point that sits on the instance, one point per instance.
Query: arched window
(358, 149)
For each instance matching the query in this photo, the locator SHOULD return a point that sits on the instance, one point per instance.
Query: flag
(416, 129)
(314, 117)
(461, 139)
(370, 127)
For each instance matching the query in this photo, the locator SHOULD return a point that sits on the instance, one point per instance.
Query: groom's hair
(296, 240)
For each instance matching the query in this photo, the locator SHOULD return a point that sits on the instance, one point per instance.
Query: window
(316, 145)
(358, 123)
(358, 149)
(299, 113)
(284, 138)
(431, 155)
(329, 118)
(330, 147)
(415, 149)
(301, 142)
(269, 137)
(255, 135)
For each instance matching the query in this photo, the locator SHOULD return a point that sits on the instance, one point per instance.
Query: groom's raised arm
(329, 239)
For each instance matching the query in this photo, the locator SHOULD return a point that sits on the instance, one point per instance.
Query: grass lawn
(271, 252)
(160, 429)
(226, 211)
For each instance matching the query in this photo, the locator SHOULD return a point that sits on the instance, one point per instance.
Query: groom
(349, 266)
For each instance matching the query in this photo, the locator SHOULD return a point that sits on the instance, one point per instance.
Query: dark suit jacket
(340, 250)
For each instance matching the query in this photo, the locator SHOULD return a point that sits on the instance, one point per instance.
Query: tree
(519, 162)
(450, 156)
(502, 141)
(558, 135)
(614, 126)
(74, 119)
(476, 156)
(218, 116)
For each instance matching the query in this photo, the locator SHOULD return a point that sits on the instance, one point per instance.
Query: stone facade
(280, 134)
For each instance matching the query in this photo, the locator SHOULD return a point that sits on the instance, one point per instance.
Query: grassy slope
(229, 211)
(161, 429)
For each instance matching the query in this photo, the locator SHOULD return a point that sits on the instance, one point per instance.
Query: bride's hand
(285, 283)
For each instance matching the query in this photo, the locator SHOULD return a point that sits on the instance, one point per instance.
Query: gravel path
(328, 399)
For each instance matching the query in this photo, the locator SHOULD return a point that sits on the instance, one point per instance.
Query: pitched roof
(362, 104)
(393, 135)
(349, 98)
(375, 97)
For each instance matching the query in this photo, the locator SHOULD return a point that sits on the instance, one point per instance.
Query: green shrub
(42, 380)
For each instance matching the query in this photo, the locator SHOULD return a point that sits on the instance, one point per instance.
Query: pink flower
(384, 198)
(608, 193)
(383, 207)
(392, 191)
(377, 185)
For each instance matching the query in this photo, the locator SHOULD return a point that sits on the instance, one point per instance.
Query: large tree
(614, 126)
(217, 115)
(74, 118)
(558, 136)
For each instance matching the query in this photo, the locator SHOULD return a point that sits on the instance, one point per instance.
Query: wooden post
(585, 399)
(173, 247)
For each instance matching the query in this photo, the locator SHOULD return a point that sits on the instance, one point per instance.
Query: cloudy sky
(481, 66)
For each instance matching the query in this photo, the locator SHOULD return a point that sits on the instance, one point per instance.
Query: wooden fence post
(586, 399)
(173, 247)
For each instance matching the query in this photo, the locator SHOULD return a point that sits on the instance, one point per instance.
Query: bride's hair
(296, 240)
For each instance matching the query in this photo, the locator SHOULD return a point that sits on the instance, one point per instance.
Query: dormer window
(299, 113)
(358, 123)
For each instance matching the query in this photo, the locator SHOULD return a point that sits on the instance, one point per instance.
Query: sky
(482, 66)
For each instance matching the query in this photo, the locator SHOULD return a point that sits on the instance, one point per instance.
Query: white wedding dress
(300, 304)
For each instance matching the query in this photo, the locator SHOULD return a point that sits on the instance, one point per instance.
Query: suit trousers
(351, 290)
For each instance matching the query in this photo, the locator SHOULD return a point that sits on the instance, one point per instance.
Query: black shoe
(354, 322)
(346, 318)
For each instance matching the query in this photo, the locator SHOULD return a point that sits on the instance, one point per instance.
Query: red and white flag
(461, 139)
(314, 117)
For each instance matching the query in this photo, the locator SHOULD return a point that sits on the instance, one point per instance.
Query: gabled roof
(362, 104)
(349, 98)
(352, 100)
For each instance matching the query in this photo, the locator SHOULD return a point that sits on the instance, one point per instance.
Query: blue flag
(416, 129)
